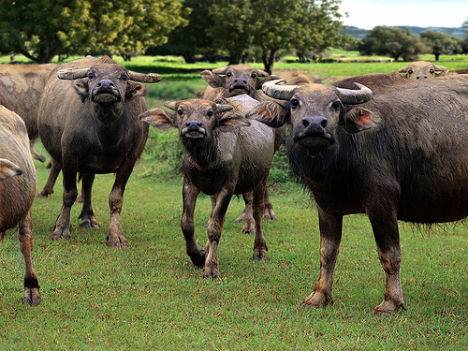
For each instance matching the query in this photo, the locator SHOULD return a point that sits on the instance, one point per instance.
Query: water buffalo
(235, 80)
(400, 155)
(21, 87)
(224, 155)
(88, 122)
(17, 190)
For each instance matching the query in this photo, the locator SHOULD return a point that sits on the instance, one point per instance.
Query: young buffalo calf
(17, 190)
(225, 154)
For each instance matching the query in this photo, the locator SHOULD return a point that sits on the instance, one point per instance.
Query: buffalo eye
(180, 112)
(336, 105)
(123, 77)
(91, 75)
(210, 113)
(410, 71)
(294, 103)
(254, 75)
(229, 74)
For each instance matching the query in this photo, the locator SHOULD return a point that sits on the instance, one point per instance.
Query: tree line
(233, 30)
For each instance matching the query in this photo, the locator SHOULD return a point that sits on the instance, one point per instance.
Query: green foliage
(441, 43)
(392, 41)
(42, 29)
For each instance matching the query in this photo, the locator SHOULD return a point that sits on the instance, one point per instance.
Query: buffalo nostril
(417, 77)
(305, 123)
(323, 123)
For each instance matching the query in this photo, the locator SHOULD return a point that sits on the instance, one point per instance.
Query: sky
(422, 13)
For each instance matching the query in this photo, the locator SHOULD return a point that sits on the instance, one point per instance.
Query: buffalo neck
(202, 152)
(109, 122)
(108, 114)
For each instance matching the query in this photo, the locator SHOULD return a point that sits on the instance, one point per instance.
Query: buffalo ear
(134, 90)
(214, 80)
(270, 113)
(359, 119)
(82, 88)
(157, 118)
(230, 121)
(8, 169)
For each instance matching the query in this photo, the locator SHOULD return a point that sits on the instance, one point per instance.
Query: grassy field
(149, 296)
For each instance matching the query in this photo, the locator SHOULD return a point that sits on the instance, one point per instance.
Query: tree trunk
(437, 55)
(268, 59)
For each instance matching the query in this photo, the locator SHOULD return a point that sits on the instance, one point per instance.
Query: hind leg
(32, 295)
(87, 219)
(260, 246)
(34, 153)
(53, 174)
(268, 207)
(247, 215)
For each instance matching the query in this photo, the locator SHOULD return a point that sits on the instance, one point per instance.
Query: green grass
(149, 296)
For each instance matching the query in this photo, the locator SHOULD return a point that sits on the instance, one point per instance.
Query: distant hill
(360, 33)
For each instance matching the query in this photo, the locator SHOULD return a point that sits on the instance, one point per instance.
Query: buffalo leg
(34, 153)
(385, 227)
(260, 246)
(189, 196)
(115, 236)
(62, 224)
(215, 226)
(268, 207)
(87, 219)
(32, 295)
(247, 215)
(330, 237)
(53, 174)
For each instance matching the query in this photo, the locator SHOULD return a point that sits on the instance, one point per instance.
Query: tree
(392, 41)
(41, 29)
(440, 43)
(230, 28)
(464, 43)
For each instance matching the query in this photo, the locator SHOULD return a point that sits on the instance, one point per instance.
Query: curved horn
(223, 108)
(72, 73)
(144, 77)
(278, 91)
(170, 105)
(221, 70)
(354, 97)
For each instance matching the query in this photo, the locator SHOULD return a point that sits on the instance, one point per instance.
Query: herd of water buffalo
(393, 146)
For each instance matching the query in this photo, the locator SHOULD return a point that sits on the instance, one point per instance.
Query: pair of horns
(223, 70)
(219, 107)
(78, 73)
(278, 90)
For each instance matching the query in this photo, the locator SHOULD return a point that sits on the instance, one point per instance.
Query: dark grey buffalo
(88, 122)
(402, 155)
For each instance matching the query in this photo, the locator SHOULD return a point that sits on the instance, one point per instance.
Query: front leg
(87, 219)
(62, 224)
(115, 236)
(189, 195)
(330, 237)
(385, 227)
(215, 226)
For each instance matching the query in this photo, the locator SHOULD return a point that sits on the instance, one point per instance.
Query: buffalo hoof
(117, 241)
(32, 296)
(269, 214)
(198, 258)
(259, 254)
(318, 299)
(249, 227)
(211, 271)
(89, 222)
(46, 192)
(61, 233)
(388, 307)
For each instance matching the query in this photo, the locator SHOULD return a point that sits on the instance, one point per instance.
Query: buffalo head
(107, 84)
(422, 70)
(236, 79)
(315, 112)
